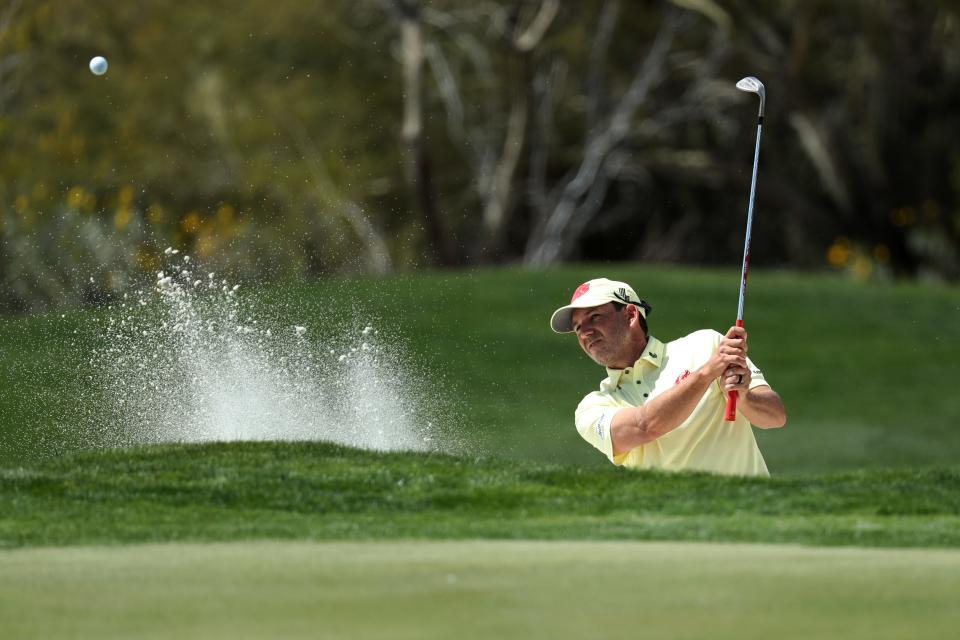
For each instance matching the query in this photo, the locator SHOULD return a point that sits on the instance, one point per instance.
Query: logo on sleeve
(603, 425)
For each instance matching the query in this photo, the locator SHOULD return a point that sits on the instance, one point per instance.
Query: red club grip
(731, 413)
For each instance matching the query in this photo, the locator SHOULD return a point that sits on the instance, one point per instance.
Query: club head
(752, 85)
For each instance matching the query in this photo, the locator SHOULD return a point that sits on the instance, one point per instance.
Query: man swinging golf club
(674, 405)
(662, 405)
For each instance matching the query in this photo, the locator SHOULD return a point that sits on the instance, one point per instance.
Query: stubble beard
(610, 348)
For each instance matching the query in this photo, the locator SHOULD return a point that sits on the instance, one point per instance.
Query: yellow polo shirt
(703, 442)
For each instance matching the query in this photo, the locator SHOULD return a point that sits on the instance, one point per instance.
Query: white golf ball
(98, 65)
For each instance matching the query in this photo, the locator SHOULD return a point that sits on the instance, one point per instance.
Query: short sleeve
(757, 378)
(593, 418)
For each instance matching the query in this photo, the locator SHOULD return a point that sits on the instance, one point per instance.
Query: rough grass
(866, 371)
(316, 491)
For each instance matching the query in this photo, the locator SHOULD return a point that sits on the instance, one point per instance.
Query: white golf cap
(594, 293)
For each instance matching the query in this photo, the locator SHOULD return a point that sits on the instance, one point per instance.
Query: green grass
(219, 540)
(530, 590)
(868, 456)
(316, 491)
(866, 371)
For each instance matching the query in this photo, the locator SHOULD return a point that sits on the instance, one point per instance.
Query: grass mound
(318, 491)
(866, 371)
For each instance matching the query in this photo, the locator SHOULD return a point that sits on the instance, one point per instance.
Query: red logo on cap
(582, 289)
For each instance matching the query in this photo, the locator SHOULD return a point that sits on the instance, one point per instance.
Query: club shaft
(731, 413)
(746, 242)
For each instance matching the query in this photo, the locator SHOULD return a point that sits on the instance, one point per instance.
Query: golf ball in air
(98, 65)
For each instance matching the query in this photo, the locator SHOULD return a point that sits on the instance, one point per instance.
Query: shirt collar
(652, 353)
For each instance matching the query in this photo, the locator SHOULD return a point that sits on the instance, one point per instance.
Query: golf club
(750, 85)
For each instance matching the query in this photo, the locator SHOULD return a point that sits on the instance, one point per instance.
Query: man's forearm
(763, 407)
(639, 425)
(636, 426)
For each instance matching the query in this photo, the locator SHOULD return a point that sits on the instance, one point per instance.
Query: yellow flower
(190, 223)
(76, 196)
(148, 259)
(225, 214)
(206, 245)
(122, 218)
(125, 197)
(862, 267)
(838, 255)
(81, 199)
(155, 214)
(904, 217)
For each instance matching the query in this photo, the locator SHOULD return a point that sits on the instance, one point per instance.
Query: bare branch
(708, 8)
(499, 192)
(447, 85)
(530, 38)
(548, 243)
(11, 61)
(8, 16)
(411, 49)
(326, 191)
(547, 86)
(815, 146)
(595, 79)
(418, 161)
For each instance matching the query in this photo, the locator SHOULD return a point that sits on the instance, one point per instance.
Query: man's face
(603, 333)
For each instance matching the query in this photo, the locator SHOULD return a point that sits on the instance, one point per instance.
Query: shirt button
(645, 395)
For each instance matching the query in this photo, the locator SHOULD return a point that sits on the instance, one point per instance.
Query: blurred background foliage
(290, 139)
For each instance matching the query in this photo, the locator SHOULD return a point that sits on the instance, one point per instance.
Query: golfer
(662, 404)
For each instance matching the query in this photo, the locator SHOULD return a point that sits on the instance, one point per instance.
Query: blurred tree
(283, 139)
(419, 164)
(865, 96)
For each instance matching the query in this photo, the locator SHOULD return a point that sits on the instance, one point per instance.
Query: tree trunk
(418, 165)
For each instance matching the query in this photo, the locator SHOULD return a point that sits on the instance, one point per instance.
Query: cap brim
(562, 319)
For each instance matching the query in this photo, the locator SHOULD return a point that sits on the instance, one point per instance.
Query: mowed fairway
(478, 589)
